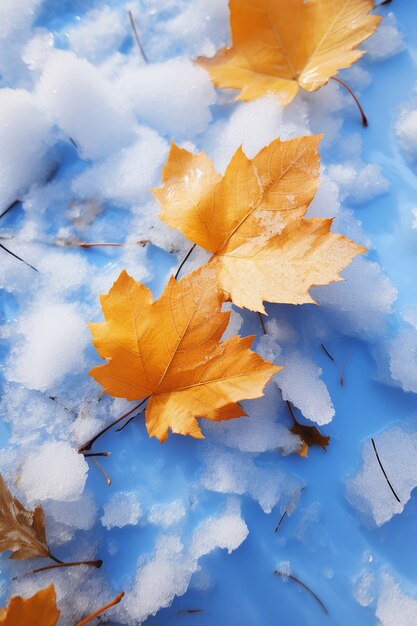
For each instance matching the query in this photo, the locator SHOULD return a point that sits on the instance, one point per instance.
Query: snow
(230, 472)
(125, 176)
(97, 119)
(54, 338)
(366, 315)
(122, 509)
(24, 131)
(173, 97)
(300, 372)
(100, 32)
(386, 42)
(54, 470)
(226, 531)
(166, 515)
(394, 606)
(368, 490)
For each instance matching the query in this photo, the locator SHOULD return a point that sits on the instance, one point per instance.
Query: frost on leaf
(253, 222)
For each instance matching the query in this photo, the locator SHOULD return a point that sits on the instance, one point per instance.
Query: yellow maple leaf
(281, 45)
(169, 351)
(252, 220)
(38, 610)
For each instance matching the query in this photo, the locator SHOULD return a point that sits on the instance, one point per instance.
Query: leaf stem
(383, 471)
(136, 35)
(181, 265)
(60, 564)
(115, 601)
(87, 446)
(306, 587)
(358, 104)
(103, 471)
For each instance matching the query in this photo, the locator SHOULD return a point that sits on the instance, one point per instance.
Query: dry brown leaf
(309, 435)
(39, 610)
(21, 531)
(281, 45)
(170, 351)
(252, 220)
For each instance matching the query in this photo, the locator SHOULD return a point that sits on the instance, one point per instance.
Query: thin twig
(115, 601)
(18, 257)
(327, 352)
(383, 470)
(9, 208)
(261, 319)
(103, 471)
(128, 421)
(84, 244)
(306, 587)
(90, 454)
(280, 521)
(189, 611)
(358, 104)
(184, 261)
(90, 442)
(135, 32)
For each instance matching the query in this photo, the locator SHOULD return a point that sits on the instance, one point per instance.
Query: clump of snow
(168, 572)
(363, 590)
(260, 431)
(402, 354)
(122, 509)
(125, 176)
(237, 473)
(166, 515)
(160, 579)
(97, 120)
(394, 607)
(362, 302)
(24, 136)
(406, 130)
(358, 182)
(386, 42)
(55, 336)
(54, 470)
(368, 490)
(16, 18)
(226, 531)
(98, 33)
(300, 373)
(64, 518)
(252, 125)
(173, 97)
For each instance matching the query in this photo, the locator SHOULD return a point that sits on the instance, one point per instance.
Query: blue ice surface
(246, 592)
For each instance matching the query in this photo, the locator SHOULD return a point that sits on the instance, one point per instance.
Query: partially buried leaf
(21, 531)
(39, 610)
(170, 351)
(252, 220)
(281, 45)
(310, 436)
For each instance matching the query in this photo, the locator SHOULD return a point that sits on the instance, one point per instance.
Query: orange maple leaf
(38, 610)
(281, 45)
(252, 220)
(170, 352)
